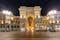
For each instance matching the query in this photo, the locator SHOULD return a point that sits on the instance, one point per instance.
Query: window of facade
(36, 16)
(55, 21)
(59, 21)
(50, 21)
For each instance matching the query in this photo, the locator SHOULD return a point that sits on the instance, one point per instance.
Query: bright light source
(6, 12)
(52, 12)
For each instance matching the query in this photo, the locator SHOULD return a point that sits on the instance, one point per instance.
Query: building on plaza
(54, 18)
(5, 16)
(15, 22)
(29, 17)
(5, 19)
(45, 23)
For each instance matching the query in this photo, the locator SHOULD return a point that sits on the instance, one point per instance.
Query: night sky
(13, 5)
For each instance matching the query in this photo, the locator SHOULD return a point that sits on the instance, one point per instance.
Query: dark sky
(13, 5)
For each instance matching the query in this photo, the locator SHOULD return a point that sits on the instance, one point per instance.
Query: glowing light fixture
(6, 12)
(52, 12)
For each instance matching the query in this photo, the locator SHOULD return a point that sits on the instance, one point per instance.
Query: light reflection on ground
(29, 35)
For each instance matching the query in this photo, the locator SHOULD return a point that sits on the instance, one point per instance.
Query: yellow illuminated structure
(30, 21)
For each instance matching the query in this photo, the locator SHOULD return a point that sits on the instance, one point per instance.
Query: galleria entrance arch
(30, 22)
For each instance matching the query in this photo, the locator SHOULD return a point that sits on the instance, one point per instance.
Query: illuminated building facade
(5, 20)
(29, 17)
(44, 25)
(54, 18)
